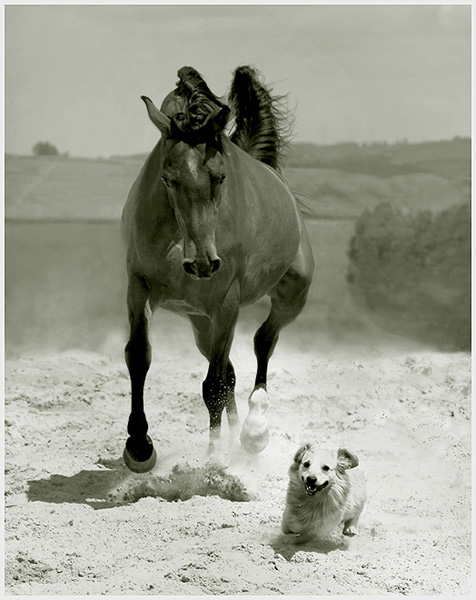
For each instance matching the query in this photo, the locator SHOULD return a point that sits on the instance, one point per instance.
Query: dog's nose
(311, 481)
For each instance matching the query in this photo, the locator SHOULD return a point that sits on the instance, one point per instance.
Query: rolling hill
(334, 181)
(450, 159)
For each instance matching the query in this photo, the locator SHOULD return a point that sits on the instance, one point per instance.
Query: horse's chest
(182, 306)
(171, 288)
(161, 260)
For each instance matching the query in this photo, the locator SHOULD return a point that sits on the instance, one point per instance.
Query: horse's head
(193, 168)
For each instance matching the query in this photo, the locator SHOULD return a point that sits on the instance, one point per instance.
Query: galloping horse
(210, 226)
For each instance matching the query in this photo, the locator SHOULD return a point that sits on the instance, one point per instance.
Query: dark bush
(45, 149)
(413, 271)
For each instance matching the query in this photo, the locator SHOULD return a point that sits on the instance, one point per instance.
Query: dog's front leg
(285, 522)
(350, 527)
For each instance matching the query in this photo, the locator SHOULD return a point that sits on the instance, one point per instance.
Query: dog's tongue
(312, 489)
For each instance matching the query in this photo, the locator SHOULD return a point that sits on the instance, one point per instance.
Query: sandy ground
(78, 523)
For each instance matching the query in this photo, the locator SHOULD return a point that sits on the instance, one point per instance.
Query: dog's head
(318, 469)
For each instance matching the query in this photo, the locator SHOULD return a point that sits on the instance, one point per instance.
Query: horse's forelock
(192, 85)
(196, 119)
(173, 103)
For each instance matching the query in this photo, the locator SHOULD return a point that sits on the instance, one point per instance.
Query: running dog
(323, 493)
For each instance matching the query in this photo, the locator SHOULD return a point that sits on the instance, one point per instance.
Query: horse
(210, 226)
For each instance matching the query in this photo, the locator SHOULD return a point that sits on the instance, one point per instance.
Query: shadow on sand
(288, 545)
(112, 484)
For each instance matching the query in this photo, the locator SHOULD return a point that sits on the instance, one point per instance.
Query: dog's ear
(298, 456)
(346, 459)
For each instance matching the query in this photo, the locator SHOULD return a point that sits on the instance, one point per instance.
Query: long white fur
(340, 502)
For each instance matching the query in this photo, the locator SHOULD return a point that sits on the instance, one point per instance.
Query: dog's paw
(351, 531)
(298, 539)
(285, 529)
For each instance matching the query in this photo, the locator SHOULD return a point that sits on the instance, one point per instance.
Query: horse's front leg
(219, 385)
(203, 329)
(139, 454)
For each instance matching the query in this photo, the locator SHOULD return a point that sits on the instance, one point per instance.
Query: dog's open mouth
(311, 489)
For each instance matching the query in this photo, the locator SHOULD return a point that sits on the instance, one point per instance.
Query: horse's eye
(166, 182)
(222, 177)
(180, 116)
(306, 464)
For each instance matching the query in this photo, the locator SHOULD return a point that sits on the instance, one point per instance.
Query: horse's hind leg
(288, 298)
(139, 453)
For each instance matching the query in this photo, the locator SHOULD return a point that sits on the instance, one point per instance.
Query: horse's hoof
(140, 460)
(254, 437)
(255, 434)
(137, 466)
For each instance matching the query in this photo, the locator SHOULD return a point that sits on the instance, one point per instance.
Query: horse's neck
(230, 150)
(238, 158)
(152, 169)
(237, 161)
(148, 201)
(150, 189)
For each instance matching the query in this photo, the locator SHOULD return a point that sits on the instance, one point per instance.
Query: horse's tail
(262, 124)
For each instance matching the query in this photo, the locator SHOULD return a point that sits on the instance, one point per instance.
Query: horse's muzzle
(201, 269)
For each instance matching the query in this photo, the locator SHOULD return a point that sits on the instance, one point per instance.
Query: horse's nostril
(201, 270)
(189, 267)
(215, 265)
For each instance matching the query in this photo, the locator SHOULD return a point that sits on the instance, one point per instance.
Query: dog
(324, 492)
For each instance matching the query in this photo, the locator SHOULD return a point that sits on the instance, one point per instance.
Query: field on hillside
(77, 522)
(66, 288)
(61, 188)
(450, 159)
(331, 193)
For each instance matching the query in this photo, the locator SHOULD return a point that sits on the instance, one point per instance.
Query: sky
(74, 74)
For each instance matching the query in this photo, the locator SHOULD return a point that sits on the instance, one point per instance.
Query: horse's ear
(158, 118)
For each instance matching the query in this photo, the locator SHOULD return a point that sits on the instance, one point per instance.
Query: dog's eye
(306, 464)
(326, 468)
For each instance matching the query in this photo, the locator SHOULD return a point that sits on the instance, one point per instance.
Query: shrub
(45, 149)
(413, 271)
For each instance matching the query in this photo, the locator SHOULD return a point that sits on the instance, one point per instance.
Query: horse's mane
(200, 107)
(262, 124)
